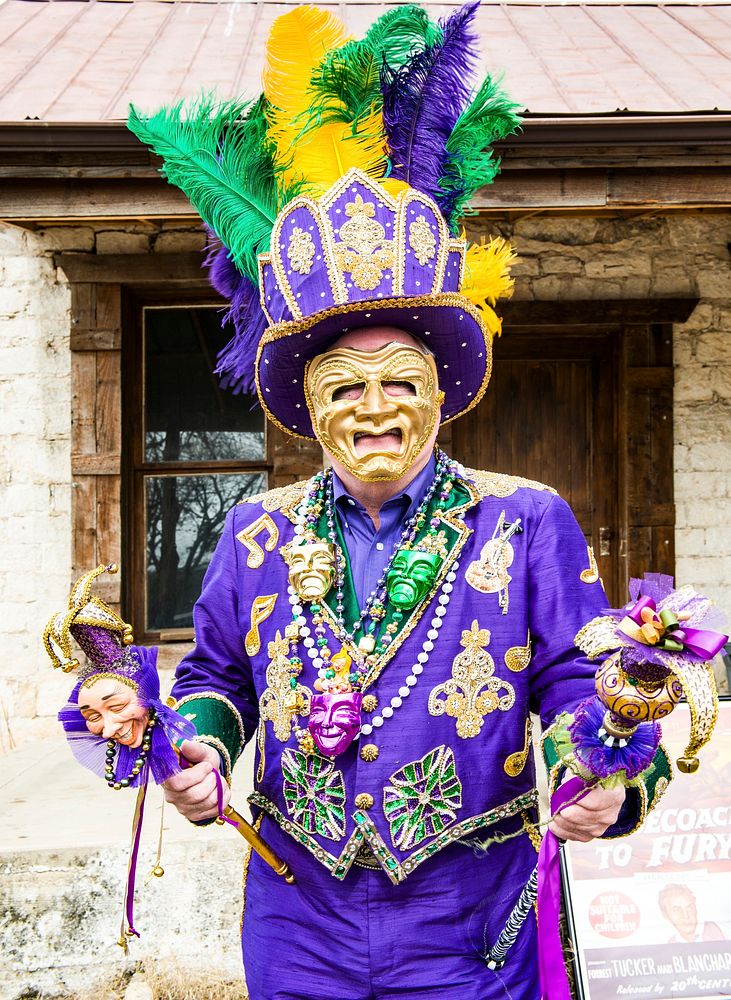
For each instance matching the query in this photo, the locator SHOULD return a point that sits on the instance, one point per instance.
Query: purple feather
(237, 361)
(602, 760)
(423, 100)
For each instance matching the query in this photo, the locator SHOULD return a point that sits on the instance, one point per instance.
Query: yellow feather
(487, 273)
(297, 43)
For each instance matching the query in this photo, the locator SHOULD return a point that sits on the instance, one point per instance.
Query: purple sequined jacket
(449, 753)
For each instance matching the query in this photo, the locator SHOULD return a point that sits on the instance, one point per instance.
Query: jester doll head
(334, 200)
(114, 720)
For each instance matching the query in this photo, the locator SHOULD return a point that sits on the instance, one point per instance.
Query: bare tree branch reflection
(185, 517)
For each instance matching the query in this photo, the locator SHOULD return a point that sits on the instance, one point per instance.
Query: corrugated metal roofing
(85, 61)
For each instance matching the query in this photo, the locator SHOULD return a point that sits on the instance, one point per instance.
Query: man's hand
(193, 790)
(591, 816)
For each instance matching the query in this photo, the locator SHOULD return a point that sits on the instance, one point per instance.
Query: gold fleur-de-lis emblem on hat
(472, 692)
(364, 250)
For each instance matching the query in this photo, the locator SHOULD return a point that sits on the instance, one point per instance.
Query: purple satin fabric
(551, 969)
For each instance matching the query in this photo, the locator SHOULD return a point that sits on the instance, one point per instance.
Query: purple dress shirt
(370, 548)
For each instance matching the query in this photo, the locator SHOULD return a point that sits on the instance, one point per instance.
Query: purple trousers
(366, 939)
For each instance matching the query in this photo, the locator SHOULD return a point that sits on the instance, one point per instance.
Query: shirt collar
(414, 492)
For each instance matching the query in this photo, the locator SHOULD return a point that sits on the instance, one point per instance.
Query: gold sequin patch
(364, 250)
(590, 575)
(261, 608)
(300, 251)
(515, 762)
(422, 240)
(247, 537)
(472, 692)
(517, 658)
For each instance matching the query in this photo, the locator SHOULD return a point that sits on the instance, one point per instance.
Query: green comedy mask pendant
(411, 577)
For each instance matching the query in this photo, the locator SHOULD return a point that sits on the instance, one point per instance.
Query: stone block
(72, 238)
(180, 242)
(713, 347)
(568, 230)
(715, 282)
(560, 264)
(708, 229)
(692, 385)
(14, 300)
(690, 541)
(673, 284)
(18, 270)
(122, 241)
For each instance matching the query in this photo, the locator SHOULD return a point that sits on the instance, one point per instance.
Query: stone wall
(679, 254)
(35, 484)
(563, 257)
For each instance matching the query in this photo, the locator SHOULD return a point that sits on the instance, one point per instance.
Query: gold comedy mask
(355, 397)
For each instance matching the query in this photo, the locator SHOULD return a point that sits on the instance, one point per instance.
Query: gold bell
(158, 871)
(688, 765)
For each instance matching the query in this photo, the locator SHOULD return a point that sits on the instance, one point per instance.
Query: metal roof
(85, 60)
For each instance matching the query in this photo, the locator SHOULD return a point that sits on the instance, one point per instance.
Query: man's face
(112, 710)
(374, 410)
(680, 909)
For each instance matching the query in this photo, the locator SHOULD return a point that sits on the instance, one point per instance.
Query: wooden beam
(130, 268)
(595, 312)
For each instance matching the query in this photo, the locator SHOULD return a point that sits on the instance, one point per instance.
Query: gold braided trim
(498, 484)
(281, 498)
(532, 830)
(446, 300)
(110, 675)
(699, 688)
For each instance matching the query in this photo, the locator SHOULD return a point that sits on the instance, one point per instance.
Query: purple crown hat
(361, 257)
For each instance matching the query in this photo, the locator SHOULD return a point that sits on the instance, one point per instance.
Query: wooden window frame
(135, 468)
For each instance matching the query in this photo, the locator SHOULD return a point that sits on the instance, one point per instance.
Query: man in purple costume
(438, 607)
(385, 630)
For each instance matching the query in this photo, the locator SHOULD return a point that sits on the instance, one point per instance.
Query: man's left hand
(591, 816)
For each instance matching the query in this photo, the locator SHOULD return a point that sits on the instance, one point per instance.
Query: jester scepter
(655, 653)
(115, 722)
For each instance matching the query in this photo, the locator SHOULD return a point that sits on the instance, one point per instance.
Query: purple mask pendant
(335, 721)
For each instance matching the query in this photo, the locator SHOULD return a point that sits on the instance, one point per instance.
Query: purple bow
(701, 643)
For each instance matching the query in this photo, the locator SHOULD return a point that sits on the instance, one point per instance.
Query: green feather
(346, 86)
(471, 163)
(217, 153)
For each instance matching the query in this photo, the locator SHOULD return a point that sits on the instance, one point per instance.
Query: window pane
(188, 417)
(184, 517)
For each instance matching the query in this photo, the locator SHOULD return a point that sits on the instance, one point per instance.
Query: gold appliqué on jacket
(472, 692)
(261, 608)
(247, 537)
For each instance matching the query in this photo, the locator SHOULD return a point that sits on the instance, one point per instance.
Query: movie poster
(652, 912)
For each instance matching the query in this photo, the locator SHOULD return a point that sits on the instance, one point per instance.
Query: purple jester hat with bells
(115, 723)
(658, 653)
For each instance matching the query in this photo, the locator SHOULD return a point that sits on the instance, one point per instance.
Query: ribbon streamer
(128, 928)
(551, 969)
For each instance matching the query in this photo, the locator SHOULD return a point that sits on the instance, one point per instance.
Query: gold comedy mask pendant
(311, 569)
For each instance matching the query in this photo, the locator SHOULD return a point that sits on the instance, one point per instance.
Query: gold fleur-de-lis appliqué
(364, 251)
(473, 691)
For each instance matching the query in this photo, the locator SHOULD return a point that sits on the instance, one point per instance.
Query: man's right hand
(193, 790)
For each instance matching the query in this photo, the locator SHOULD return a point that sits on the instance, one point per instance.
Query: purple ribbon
(129, 899)
(551, 968)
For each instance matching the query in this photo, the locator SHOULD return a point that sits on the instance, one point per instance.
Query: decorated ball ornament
(659, 654)
(633, 700)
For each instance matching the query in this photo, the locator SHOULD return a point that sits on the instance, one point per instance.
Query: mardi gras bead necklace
(406, 579)
(116, 782)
